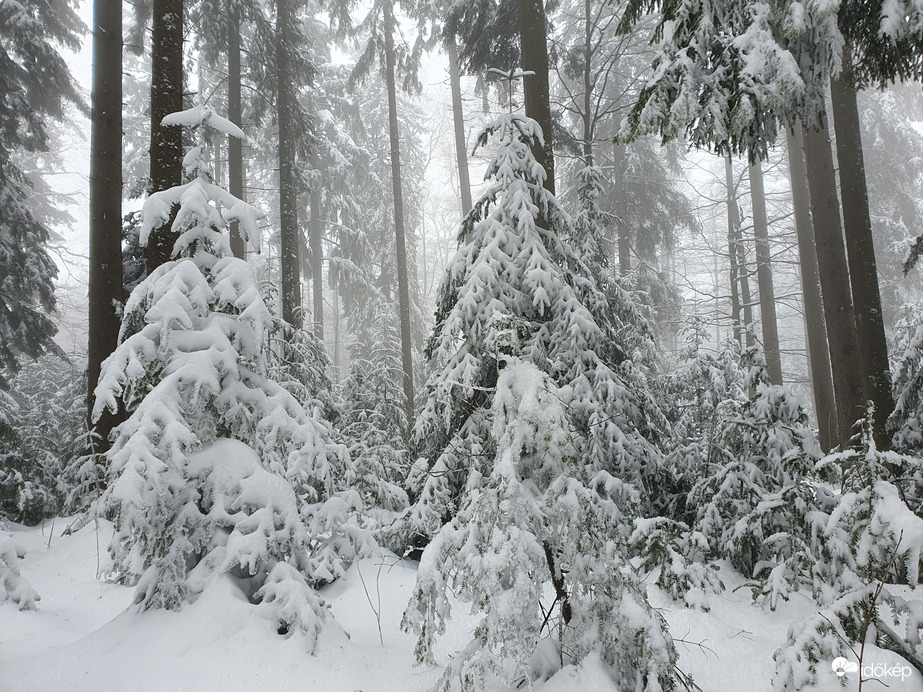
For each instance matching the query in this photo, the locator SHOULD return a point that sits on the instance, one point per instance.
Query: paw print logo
(841, 666)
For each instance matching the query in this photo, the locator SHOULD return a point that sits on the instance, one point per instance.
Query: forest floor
(84, 635)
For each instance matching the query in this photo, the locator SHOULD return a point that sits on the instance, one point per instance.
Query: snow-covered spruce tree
(620, 311)
(567, 326)
(218, 469)
(750, 499)
(528, 427)
(864, 539)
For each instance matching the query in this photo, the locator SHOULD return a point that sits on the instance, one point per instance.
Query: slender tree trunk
(403, 287)
(740, 276)
(534, 52)
(670, 329)
(733, 256)
(815, 324)
(746, 298)
(317, 260)
(834, 281)
(863, 271)
(588, 133)
(105, 201)
(764, 276)
(336, 332)
(458, 115)
(235, 115)
(620, 200)
(288, 177)
(166, 97)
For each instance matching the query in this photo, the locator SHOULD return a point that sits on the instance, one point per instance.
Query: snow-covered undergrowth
(84, 636)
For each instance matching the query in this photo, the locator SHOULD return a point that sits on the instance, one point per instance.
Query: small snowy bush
(13, 586)
(752, 496)
(864, 538)
(678, 555)
(867, 531)
(42, 440)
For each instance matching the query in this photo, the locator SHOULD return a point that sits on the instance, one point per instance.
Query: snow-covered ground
(85, 636)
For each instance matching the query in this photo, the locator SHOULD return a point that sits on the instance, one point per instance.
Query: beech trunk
(834, 282)
(403, 286)
(860, 248)
(764, 276)
(458, 117)
(815, 323)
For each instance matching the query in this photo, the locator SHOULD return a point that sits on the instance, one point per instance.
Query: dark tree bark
(834, 281)
(166, 97)
(403, 287)
(863, 271)
(764, 276)
(105, 285)
(458, 116)
(815, 324)
(235, 115)
(534, 53)
(288, 177)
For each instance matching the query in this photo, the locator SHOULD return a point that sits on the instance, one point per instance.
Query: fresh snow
(86, 636)
(197, 115)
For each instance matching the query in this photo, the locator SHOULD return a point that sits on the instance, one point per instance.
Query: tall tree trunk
(863, 271)
(620, 200)
(288, 180)
(588, 133)
(534, 52)
(815, 324)
(315, 244)
(235, 115)
(166, 97)
(105, 201)
(764, 276)
(733, 255)
(834, 282)
(337, 370)
(458, 115)
(740, 276)
(746, 297)
(403, 287)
